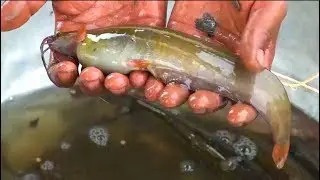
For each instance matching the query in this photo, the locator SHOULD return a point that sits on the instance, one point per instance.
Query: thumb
(16, 13)
(258, 41)
(257, 49)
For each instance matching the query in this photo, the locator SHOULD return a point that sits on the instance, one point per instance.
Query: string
(297, 83)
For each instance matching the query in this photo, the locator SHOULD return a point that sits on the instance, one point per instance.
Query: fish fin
(140, 64)
(81, 34)
(280, 154)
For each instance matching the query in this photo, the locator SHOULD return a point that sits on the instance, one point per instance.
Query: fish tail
(280, 154)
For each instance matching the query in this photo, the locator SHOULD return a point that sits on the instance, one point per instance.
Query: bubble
(191, 136)
(65, 146)
(230, 164)
(225, 136)
(73, 91)
(175, 112)
(47, 165)
(124, 110)
(30, 176)
(38, 159)
(132, 91)
(245, 147)
(186, 166)
(99, 136)
(123, 142)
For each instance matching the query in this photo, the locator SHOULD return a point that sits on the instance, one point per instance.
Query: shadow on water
(60, 134)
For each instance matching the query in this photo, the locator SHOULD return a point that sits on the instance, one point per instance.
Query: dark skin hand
(257, 24)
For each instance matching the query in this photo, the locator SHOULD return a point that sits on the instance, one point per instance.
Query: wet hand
(256, 26)
(72, 15)
(254, 32)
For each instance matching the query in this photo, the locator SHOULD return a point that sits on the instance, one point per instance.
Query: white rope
(297, 83)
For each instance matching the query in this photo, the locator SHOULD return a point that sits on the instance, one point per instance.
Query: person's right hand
(72, 15)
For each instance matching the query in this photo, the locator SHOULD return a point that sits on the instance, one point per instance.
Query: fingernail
(268, 61)
(260, 58)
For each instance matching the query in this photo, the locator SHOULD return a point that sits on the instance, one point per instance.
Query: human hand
(70, 16)
(73, 15)
(250, 33)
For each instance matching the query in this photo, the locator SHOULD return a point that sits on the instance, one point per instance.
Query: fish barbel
(172, 56)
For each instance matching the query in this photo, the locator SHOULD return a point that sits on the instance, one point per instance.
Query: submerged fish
(171, 56)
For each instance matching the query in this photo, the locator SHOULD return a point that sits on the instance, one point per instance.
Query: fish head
(63, 43)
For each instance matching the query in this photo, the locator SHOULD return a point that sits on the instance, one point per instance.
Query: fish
(172, 56)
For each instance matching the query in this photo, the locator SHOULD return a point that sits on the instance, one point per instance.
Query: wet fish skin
(172, 56)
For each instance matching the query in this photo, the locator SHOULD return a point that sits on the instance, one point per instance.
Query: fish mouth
(46, 41)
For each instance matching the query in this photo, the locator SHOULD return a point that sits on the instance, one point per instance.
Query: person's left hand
(256, 24)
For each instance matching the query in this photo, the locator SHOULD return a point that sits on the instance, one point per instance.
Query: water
(53, 135)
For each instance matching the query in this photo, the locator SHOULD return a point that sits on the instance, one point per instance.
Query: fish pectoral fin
(139, 64)
(81, 33)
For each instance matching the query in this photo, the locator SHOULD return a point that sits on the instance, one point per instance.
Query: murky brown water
(51, 135)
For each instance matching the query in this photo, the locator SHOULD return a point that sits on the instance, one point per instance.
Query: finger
(153, 89)
(16, 13)
(259, 36)
(279, 9)
(91, 81)
(241, 114)
(117, 83)
(138, 78)
(63, 71)
(63, 74)
(203, 101)
(252, 49)
(173, 95)
(34, 6)
(269, 52)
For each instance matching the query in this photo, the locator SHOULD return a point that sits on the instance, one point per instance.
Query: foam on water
(99, 135)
